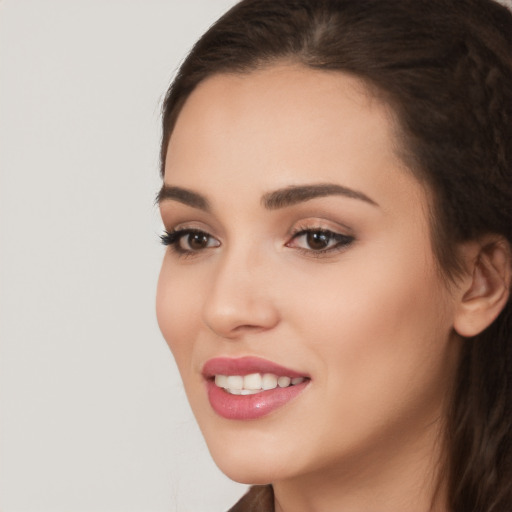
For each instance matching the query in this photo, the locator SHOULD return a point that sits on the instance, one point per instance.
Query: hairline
(448, 265)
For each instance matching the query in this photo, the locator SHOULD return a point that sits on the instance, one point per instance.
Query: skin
(371, 322)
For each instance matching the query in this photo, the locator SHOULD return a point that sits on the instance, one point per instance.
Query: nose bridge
(239, 297)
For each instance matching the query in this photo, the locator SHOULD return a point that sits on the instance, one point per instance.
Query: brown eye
(185, 241)
(195, 241)
(318, 240)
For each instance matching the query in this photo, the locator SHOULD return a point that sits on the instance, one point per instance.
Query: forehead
(284, 125)
(283, 100)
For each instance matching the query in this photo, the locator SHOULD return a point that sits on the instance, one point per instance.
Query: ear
(485, 288)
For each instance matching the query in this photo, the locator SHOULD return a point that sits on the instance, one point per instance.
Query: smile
(250, 388)
(254, 383)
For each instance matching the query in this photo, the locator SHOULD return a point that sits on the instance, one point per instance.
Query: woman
(337, 203)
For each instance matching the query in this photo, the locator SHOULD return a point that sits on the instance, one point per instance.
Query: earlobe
(485, 289)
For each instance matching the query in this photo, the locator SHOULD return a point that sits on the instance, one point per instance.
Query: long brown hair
(445, 67)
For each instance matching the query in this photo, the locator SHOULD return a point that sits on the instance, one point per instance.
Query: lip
(245, 366)
(249, 407)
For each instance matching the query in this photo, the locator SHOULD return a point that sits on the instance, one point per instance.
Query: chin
(256, 463)
(245, 472)
(248, 476)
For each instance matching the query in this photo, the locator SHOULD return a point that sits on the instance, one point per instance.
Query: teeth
(235, 382)
(249, 391)
(283, 382)
(221, 381)
(269, 381)
(254, 382)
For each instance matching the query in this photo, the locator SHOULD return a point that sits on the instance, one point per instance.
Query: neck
(402, 475)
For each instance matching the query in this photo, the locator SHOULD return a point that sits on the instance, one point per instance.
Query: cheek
(378, 340)
(377, 324)
(178, 311)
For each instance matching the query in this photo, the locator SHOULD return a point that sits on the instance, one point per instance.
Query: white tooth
(249, 391)
(234, 391)
(297, 380)
(220, 380)
(269, 381)
(283, 382)
(252, 381)
(235, 382)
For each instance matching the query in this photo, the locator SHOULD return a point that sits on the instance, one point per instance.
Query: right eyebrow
(182, 195)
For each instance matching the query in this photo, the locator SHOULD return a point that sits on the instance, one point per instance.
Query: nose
(240, 298)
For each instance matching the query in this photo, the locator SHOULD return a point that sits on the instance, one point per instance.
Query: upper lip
(245, 366)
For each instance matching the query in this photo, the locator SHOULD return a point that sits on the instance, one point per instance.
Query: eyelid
(173, 237)
(321, 224)
(170, 236)
(343, 238)
(179, 225)
(337, 238)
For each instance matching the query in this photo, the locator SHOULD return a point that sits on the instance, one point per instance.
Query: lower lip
(250, 407)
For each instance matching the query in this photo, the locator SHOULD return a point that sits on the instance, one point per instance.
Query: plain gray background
(93, 416)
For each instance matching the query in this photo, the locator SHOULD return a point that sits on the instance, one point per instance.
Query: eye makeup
(318, 241)
(185, 241)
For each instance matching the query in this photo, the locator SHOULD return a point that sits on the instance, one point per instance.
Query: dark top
(259, 498)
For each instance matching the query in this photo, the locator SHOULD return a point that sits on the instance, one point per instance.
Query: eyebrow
(275, 200)
(297, 194)
(184, 196)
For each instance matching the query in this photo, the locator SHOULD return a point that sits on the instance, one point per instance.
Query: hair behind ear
(480, 420)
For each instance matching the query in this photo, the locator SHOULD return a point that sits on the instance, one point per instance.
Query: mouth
(250, 388)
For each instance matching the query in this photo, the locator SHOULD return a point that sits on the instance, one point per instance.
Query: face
(299, 260)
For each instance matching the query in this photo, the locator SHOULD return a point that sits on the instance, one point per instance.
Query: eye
(187, 241)
(317, 240)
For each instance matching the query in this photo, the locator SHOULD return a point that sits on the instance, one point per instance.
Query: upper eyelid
(174, 220)
(305, 229)
(321, 225)
(186, 229)
(303, 225)
(195, 225)
(183, 231)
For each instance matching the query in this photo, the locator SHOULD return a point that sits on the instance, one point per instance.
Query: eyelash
(173, 238)
(342, 241)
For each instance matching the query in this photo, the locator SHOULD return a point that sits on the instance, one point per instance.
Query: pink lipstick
(249, 387)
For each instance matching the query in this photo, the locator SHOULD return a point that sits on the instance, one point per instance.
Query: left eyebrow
(297, 194)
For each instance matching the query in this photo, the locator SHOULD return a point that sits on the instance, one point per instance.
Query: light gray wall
(93, 416)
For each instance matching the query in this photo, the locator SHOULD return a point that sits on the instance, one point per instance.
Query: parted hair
(445, 69)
